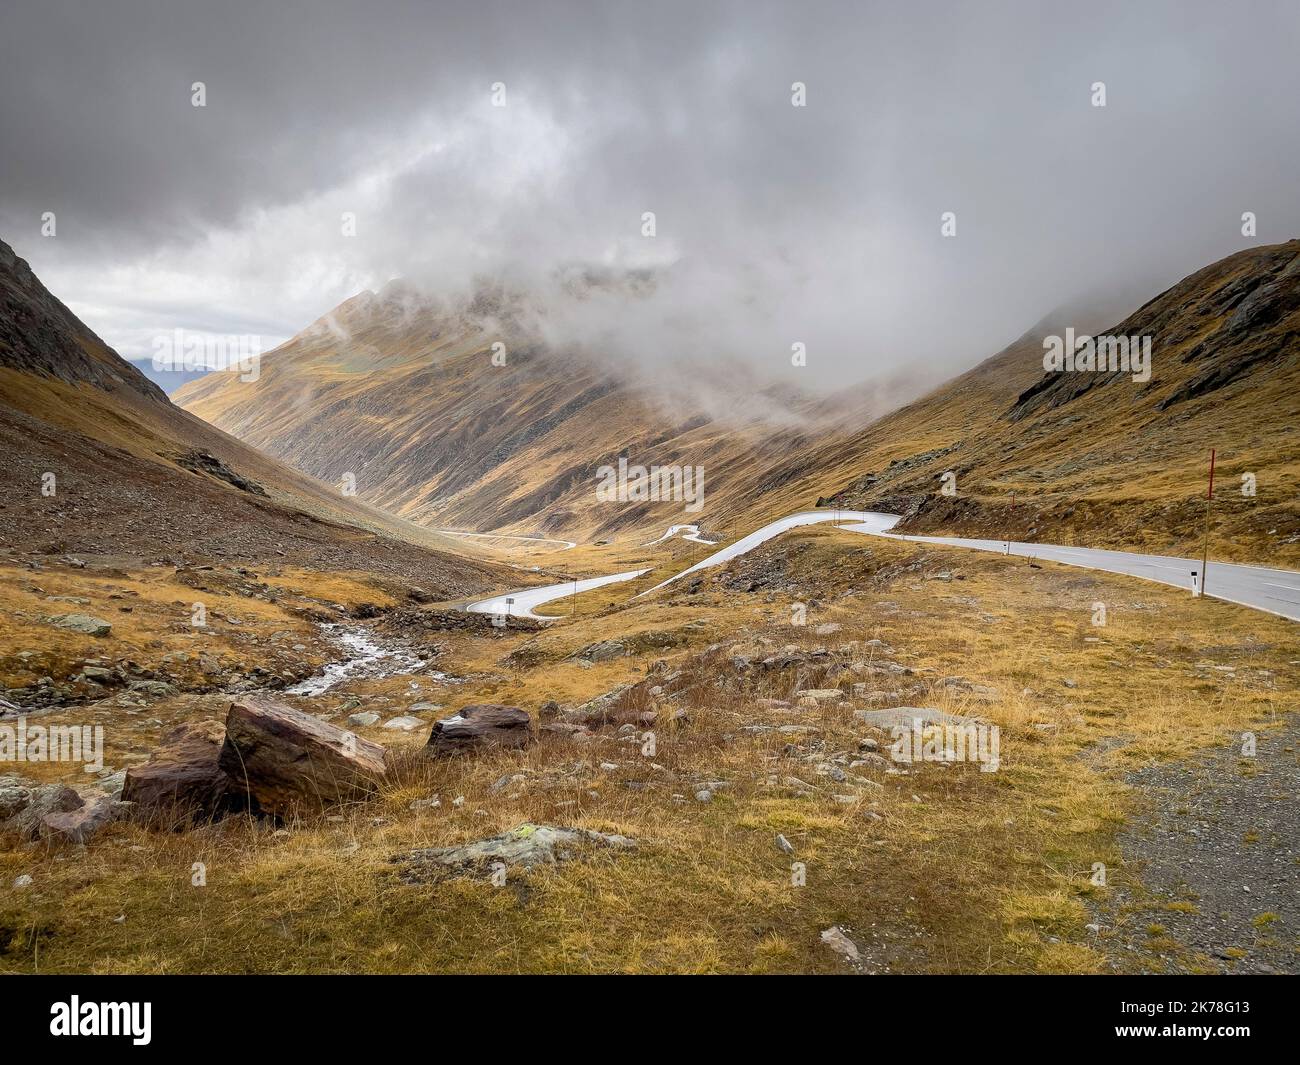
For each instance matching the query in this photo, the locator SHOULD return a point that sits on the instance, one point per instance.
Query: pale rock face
(524, 846)
(840, 943)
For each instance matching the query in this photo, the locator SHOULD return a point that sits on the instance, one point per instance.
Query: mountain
(94, 459)
(1098, 458)
(404, 393)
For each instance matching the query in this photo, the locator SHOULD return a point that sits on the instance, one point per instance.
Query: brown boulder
(481, 725)
(78, 825)
(183, 777)
(284, 761)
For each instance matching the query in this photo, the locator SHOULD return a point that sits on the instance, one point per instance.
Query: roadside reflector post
(1209, 498)
(509, 603)
(1196, 590)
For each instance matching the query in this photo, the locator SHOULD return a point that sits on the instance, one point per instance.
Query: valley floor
(760, 818)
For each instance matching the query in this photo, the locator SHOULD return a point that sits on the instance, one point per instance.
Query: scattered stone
(15, 794)
(78, 825)
(820, 695)
(598, 711)
(567, 729)
(42, 800)
(22, 882)
(501, 783)
(840, 943)
(480, 726)
(704, 795)
(156, 689)
(363, 720)
(405, 724)
(602, 651)
(784, 844)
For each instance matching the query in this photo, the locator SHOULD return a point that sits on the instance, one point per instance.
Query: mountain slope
(406, 396)
(1097, 458)
(134, 475)
(408, 399)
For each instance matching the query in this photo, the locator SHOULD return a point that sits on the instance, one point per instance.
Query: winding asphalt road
(1275, 591)
(524, 600)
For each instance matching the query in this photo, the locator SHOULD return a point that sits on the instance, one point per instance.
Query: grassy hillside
(411, 402)
(136, 475)
(408, 398)
(1098, 459)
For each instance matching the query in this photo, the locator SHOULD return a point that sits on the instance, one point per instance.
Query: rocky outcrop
(39, 335)
(482, 725)
(284, 761)
(197, 461)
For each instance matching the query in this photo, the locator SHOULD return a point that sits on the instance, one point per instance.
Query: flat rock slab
(524, 846)
(481, 725)
(287, 762)
(83, 623)
(904, 716)
(183, 777)
(821, 694)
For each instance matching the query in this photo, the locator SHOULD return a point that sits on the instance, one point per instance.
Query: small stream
(367, 657)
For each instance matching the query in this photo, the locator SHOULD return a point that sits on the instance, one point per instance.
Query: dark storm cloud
(775, 224)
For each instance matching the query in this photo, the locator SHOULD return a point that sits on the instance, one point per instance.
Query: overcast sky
(775, 223)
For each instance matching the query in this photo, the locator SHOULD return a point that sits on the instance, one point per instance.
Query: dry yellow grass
(943, 869)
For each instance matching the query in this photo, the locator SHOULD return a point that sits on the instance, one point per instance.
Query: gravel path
(1222, 841)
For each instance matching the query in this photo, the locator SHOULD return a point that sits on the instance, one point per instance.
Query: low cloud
(774, 224)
